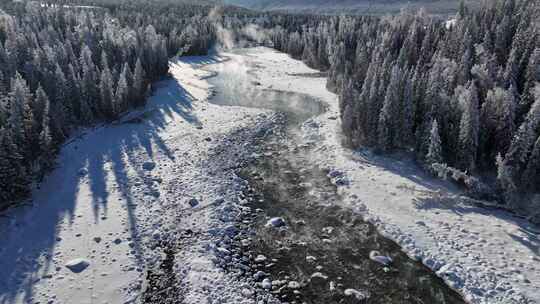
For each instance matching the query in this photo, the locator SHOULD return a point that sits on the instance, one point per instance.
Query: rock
(149, 166)
(231, 231)
(358, 295)
(381, 259)
(259, 275)
(260, 259)
(293, 285)
(97, 239)
(311, 259)
(275, 222)
(420, 223)
(318, 279)
(117, 241)
(193, 202)
(335, 174)
(83, 172)
(77, 265)
(266, 284)
(328, 230)
(222, 251)
(208, 139)
(248, 293)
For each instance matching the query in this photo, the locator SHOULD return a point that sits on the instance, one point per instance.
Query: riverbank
(157, 194)
(490, 256)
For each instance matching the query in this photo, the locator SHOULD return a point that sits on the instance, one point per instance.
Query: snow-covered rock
(358, 295)
(293, 285)
(275, 222)
(77, 265)
(260, 259)
(318, 278)
(376, 256)
(266, 284)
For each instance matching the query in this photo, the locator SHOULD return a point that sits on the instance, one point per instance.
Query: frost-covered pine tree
(45, 137)
(389, 116)
(106, 90)
(532, 76)
(469, 127)
(14, 178)
(139, 84)
(21, 116)
(121, 94)
(434, 155)
(530, 178)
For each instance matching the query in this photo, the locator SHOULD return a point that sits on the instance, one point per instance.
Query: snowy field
(124, 190)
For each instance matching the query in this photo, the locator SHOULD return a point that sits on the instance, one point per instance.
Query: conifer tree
(434, 155)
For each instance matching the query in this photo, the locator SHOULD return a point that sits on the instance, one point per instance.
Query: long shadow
(401, 165)
(530, 240)
(29, 233)
(459, 207)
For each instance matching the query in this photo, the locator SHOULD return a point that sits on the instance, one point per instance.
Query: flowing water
(322, 256)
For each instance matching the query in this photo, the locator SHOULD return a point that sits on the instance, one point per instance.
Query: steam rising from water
(236, 86)
(229, 38)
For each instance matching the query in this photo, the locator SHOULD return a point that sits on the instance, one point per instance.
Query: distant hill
(351, 6)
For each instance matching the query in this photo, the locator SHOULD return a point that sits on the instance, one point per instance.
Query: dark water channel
(322, 255)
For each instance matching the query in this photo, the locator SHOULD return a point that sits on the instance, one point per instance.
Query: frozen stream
(322, 255)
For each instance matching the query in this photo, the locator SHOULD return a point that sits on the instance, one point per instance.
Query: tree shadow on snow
(104, 160)
(443, 195)
(401, 165)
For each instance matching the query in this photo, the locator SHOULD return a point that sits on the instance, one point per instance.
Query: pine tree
(89, 87)
(45, 137)
(63, 109)
(14, 178)
(21, 116)
(434, 155)
(106, 92)
(531, 77)
(406, 125)
(531, 176)
(389, 116)
(139, 85)
(73, 93)
(469, 127)
(121, 94)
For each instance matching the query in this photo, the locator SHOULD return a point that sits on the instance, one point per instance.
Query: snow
(489, 256)
(120, 190)
(450, 23)
(102, 191)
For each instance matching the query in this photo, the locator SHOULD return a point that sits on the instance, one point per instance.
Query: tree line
(66, 67)
(462, 95)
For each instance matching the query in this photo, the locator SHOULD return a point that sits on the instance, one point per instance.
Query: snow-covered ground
(165, 175)
(489, 256)
(120, 190)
